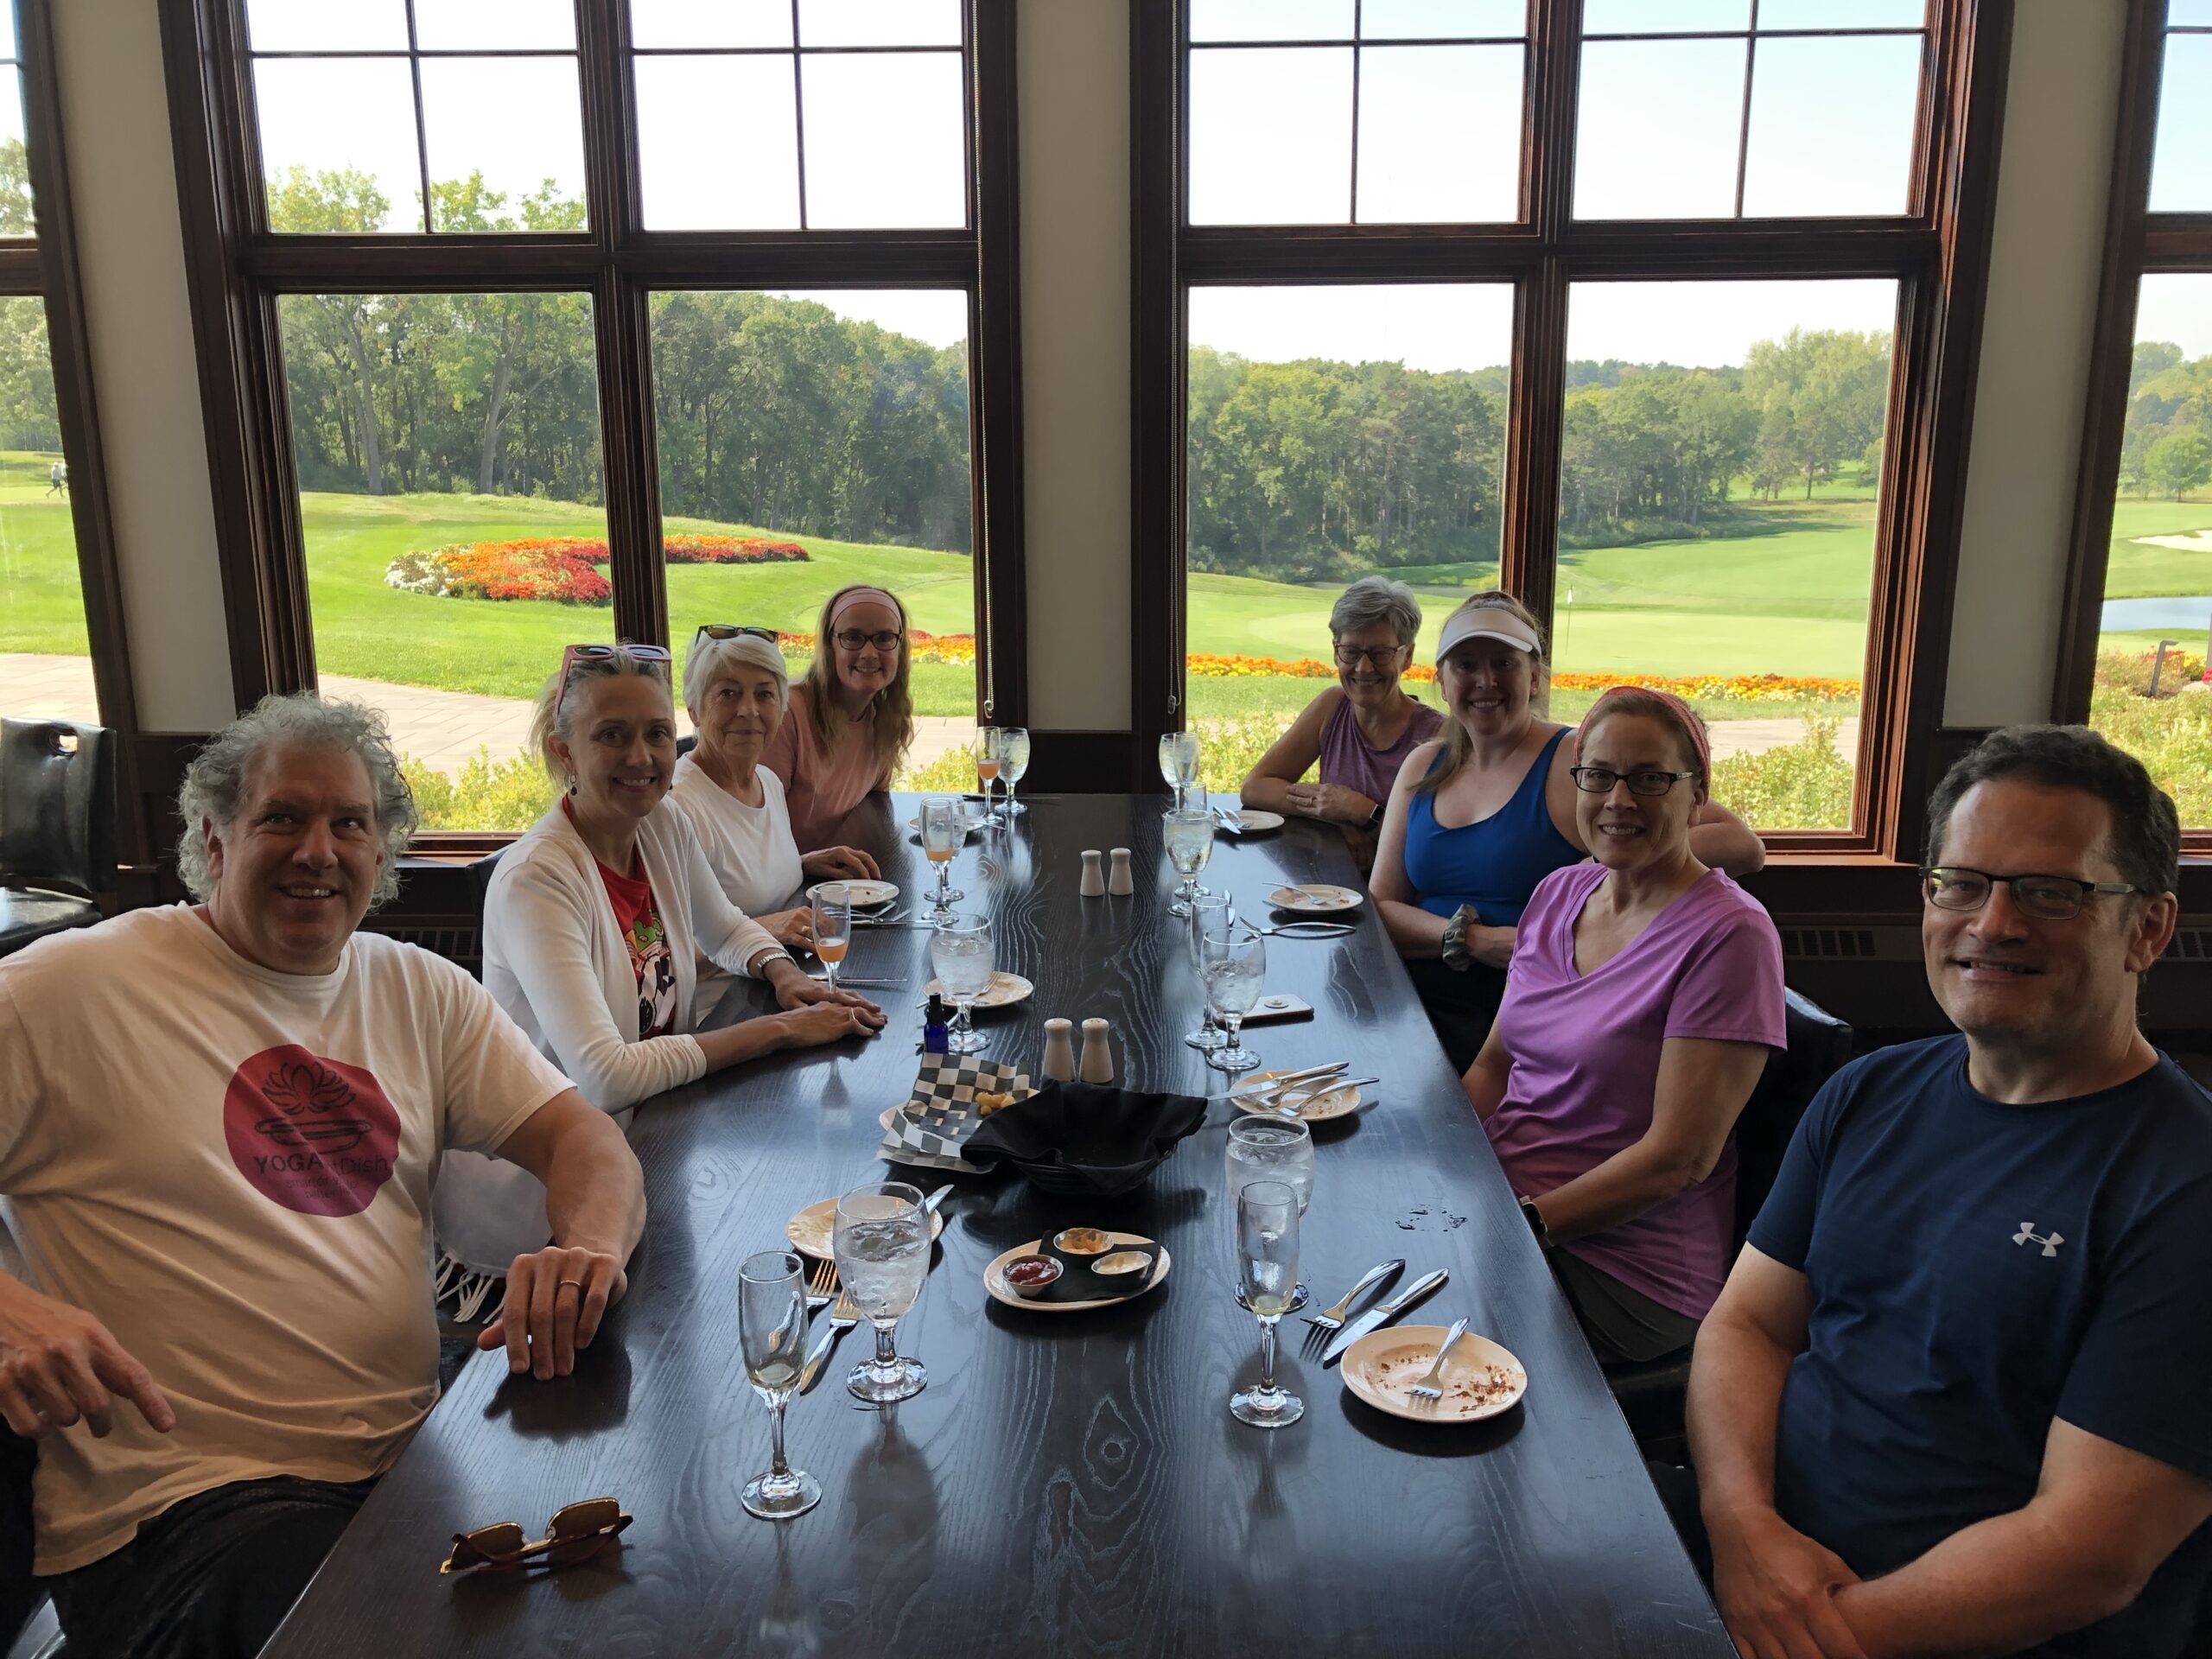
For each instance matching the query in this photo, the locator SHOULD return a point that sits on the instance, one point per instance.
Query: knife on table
(1382, 1313)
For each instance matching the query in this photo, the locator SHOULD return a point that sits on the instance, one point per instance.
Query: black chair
(57, 828)
(1651, 1395)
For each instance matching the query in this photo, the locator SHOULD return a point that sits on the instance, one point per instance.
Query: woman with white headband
(1481, 815)
(737, 690)
(850, 718)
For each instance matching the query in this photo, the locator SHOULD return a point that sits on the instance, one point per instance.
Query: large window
(61, 647)
(2137, 662)
(600, 322)
(1611, 319)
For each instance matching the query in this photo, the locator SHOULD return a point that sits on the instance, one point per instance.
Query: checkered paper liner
(935, 1123)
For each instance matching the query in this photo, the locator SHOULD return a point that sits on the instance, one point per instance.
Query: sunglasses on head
(732, 631)
(571, 654)
(574, 1534)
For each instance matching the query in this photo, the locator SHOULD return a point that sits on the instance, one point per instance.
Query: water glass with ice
(882, 1244)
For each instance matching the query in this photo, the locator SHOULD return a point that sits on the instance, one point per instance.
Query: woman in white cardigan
(592, 928)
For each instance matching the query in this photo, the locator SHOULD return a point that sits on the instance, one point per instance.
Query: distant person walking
(57, 478)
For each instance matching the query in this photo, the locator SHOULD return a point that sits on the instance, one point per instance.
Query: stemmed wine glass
(945, 826)
(1178, 757)
(1271, 1149)
(882, 1244)
(1217, 912)
(1233, 963)
(1267, 1265)
(989, 753)
(1013, 760)
(772, 1330)
(1189, 836)
(833, 926)
(960, 952)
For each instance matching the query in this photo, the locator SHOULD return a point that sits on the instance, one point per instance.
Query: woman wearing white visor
(1485, 812)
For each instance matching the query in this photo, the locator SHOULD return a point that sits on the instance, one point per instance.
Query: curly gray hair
(215, 783)
(1377, 598)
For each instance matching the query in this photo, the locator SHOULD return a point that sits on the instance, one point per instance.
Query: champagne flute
(987, 759)
(833, 926)
(882, 1244)
(960, 952)
(1267, 1266)
(945, 826)
(771, 1331)
(1215, 910)
(1189, 836)
(1178, 757)
(1233, 962)
(1014, 761)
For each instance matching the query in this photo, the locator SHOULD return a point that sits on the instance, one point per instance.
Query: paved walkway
(444, 729)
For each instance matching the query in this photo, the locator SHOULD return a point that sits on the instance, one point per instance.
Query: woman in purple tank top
(1361, 729)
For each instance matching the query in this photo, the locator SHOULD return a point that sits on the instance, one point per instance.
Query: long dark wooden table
(1067, 1484)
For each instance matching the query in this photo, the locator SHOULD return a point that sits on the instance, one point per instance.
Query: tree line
(2167, 445)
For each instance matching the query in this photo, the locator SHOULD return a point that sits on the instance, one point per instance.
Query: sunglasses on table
(2052, 897)
(574, 1534)
(853, 638)
(732, 631)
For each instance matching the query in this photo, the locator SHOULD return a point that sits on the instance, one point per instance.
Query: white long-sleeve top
(554, 957)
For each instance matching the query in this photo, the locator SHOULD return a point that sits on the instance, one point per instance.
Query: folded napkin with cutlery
(1086, 1137)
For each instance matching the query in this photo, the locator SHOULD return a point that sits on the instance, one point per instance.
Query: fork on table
(1330, 1320)
(1432, 1386)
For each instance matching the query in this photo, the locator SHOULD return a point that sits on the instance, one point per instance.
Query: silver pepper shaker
(1094, 875)
(1118, 880)
(1060, 1050)
(1097, 1055)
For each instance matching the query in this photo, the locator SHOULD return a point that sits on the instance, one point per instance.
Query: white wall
(2061, 114)
(145, 377)
(1074, 176)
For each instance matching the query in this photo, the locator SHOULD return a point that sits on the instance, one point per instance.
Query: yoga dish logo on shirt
(315, 1135)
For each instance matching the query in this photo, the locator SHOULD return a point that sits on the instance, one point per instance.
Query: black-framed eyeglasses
(2051, 898)
(1379, 656)
(853, 638)
(732, 631)
(1599, 780)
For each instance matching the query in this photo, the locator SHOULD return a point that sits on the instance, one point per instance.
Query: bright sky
(1271, 142)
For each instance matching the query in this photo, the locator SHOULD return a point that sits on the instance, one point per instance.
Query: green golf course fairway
(1790, 599)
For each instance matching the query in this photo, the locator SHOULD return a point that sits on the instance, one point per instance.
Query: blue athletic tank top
(1493, 863)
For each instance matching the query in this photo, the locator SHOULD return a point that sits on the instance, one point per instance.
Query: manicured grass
(41, 600)
(2138, 570)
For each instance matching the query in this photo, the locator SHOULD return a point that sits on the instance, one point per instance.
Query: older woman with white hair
(1361, 729)
(737, 692)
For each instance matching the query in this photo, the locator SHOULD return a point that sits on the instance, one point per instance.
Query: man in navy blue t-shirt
(1956, 1396)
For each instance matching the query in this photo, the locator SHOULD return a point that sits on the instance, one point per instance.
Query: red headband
(1685, 716)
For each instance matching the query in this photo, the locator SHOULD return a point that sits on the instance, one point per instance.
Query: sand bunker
(2196, 541)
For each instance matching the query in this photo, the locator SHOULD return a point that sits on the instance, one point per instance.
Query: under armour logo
(2027, 1234)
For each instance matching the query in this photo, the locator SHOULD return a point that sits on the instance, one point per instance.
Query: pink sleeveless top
(1347, 760)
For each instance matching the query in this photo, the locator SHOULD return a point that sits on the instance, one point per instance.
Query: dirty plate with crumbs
(1480, 1378)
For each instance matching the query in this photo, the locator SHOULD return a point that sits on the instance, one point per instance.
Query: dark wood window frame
(1938, 254)
(47, 267)
(238, 268)
(2138, 243)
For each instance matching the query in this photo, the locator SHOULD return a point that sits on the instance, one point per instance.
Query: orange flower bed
(1737, 688)
(562, 569)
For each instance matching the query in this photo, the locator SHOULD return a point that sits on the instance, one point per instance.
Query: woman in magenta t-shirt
(1644, 992)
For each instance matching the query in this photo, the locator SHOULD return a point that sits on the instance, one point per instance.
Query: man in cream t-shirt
(219, 1125)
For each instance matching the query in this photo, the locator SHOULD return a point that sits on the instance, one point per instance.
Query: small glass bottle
(935, 1021)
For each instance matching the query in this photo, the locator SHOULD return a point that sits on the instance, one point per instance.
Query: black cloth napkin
(1087, 1137)
(1077, 1283)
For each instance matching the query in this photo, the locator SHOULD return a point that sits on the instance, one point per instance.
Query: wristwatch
(1536, 1219)
(1455, 939)
(1375, 818)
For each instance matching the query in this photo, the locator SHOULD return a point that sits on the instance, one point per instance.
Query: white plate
(864, 895)
(915, 825)
(811, 1231)
(1251, 818)
(995, 1279)
(1315, 899)
(1381, 1368)
(1007, 990)
(1320, 1108)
